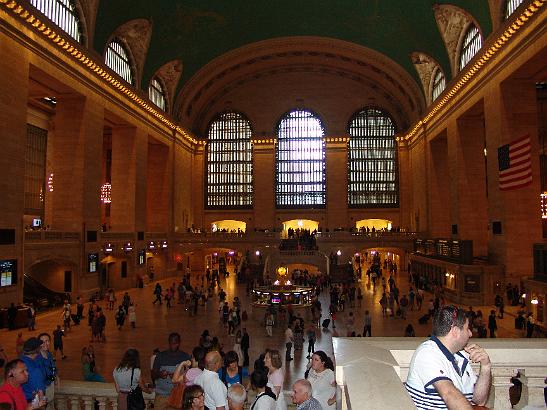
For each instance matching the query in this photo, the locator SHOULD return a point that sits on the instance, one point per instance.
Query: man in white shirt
(215, 391)
(236, 396)
(289, 338)
(440, 374)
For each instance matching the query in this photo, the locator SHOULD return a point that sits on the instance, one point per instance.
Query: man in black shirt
(245, 345)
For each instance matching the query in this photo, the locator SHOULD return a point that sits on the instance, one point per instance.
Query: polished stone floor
(155, 322)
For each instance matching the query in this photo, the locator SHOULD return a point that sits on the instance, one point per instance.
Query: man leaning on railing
(440, 374)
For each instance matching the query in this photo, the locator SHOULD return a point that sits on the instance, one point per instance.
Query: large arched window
(472, 42)
(511, 6)
(439, 83)
(300, 161)
(63, 13)
(372, 160)
(229, 162)
(117, 59)
(156, 94)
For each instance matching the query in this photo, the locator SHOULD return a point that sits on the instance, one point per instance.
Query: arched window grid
(439, 84)
(511, 6)
(372, 160)
(63, 13)
(229, 162)
(300, 161)
(118, 60)
(156, 94)
(472, 42)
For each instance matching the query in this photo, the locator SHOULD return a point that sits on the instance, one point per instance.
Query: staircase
(288, 257)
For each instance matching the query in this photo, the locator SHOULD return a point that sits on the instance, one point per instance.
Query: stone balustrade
(76, 395)
(372, 371)
(51, 236)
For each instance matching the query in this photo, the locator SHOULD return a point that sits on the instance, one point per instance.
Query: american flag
(515, 165)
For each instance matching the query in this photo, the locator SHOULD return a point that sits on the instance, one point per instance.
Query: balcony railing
(75, 395)
(51, 236)
(372, 371)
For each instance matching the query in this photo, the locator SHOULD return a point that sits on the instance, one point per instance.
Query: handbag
(175, 398)
(135, 399)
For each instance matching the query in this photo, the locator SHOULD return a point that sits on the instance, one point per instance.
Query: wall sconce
(534, 301)
(108, 248)
(164, 244)
(128, 247)
(151, 245)
(257, 253)
(339, 252)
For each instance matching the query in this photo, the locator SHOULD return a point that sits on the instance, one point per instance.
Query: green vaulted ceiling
(197, 31)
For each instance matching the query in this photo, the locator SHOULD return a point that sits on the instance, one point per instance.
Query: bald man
(301, 396)
(236, 396)
(215, 391)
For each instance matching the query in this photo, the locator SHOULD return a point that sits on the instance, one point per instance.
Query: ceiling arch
(293, 59)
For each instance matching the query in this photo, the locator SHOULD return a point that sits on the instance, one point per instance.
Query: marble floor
(155, 322)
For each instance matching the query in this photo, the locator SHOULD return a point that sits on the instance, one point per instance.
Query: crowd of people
(215, 375)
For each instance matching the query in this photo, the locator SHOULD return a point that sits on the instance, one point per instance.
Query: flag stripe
(518, 185)
(514, 170)
(515, 164)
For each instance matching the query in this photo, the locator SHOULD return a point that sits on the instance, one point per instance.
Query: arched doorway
(299, 225)
(373, 223)
(229, 226)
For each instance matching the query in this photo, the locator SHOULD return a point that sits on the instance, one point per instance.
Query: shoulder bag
(175, 398)
(135, 399)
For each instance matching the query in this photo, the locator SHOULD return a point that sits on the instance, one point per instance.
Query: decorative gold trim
(73, 50)
(263, 141)
(330, 140)
(519, 22)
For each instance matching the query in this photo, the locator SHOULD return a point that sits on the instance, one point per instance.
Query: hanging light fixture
(106, 193)
(543, 199)
(50, 183)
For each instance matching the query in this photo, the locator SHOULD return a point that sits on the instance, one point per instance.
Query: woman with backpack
(232, 372)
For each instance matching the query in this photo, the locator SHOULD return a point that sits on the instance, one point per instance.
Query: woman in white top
(276, 376)
(130, 364)
(321, 377)
(132, 314)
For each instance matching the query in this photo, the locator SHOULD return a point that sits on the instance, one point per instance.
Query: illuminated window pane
(372, 161)
(61, 12)
(472, 42)
(156, 93)
(511, 6)
(300, 161)
(439, 83)
(118, 60)
(229, 162)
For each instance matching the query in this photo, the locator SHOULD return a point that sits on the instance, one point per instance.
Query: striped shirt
(432, 362)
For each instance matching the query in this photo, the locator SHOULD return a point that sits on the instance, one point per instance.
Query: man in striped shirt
(440, 375)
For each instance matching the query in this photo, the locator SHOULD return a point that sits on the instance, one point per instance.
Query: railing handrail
(49, 235)
(384, 364)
